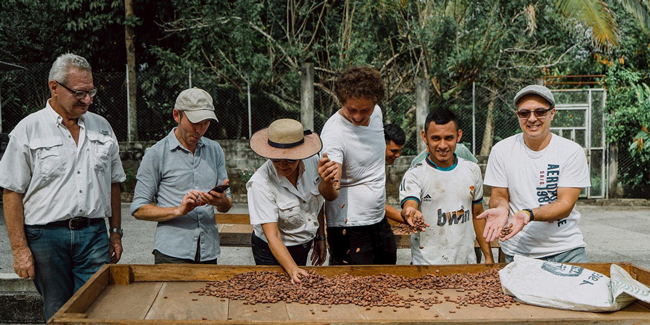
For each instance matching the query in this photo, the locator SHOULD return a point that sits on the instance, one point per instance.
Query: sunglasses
(289, 161)
(539, 112)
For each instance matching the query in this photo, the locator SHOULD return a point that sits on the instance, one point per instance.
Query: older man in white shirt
(61, 173)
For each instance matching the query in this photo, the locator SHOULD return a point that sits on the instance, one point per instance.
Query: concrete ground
(612, 234)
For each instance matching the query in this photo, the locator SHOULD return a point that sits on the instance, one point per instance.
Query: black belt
(75, 223)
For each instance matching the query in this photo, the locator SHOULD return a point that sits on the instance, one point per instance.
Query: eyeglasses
(80, 94)
(289, 161)
(539, 112)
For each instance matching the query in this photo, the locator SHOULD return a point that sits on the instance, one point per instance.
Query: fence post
(474, 118)
(307, 95)
(132, 116)
(250, 122)
(421, 108)
(0, 109)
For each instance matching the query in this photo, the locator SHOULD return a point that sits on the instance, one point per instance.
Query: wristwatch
(530, 213)
(118, 231)
(319, 238)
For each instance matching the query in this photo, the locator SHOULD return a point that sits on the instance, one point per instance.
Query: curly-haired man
(353, 174)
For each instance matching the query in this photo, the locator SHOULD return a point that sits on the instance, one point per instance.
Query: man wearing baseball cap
(536, 178)
(182, 172)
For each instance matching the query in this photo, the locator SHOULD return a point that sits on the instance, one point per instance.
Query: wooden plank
(232, 218)
(120, 274)
(198, 272)
(238, 235)
(180, 304)
(192, 272)
(303, 313)
(86, 295)
(633, 311)
(239, 311)
(125, 301)
(526, 311)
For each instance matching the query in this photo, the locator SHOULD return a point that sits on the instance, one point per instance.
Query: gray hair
(62, 65)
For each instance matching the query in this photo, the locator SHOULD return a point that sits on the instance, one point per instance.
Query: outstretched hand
(517, 223)
(495, 219)
(413, 217)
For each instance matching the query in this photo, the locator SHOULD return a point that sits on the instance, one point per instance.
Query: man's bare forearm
(14, 219)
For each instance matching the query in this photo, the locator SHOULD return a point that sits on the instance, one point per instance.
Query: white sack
(564, 286)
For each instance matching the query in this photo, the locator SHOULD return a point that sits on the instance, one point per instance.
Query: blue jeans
(65, 259)
(576, 255)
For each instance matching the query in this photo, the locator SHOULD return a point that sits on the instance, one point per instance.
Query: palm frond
(595, 14)
(638, 9)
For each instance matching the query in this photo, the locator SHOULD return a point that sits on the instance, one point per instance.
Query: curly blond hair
(359, 82)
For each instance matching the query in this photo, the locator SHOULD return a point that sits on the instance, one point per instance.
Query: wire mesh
(25, 92)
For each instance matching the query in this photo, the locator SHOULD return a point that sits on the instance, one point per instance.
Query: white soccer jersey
(445, 197)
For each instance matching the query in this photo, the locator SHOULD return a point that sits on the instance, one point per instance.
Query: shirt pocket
(289, 217)
(100, 150)
(50, 162)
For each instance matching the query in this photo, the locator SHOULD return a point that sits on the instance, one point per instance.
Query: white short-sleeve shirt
(445, 197)
(361, 150)
(59, 178)
(532, 179)
(272, 198)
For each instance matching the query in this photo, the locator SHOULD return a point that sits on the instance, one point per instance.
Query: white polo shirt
(60, 179)
(272, 198)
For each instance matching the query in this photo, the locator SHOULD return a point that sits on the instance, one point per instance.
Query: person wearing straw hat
(285, 206)
(182, 172)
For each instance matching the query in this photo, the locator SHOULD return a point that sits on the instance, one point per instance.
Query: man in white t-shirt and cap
(182, 172)
(536, 178)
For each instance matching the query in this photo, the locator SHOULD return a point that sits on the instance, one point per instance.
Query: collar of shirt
(444, 169)
(59, 120)
(175, 144)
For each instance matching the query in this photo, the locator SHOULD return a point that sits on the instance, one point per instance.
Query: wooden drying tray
(135, 294)
(235, 230)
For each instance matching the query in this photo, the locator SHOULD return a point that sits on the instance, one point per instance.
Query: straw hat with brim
(285, 139)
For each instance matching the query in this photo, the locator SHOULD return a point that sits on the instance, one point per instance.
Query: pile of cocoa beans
(382, 290)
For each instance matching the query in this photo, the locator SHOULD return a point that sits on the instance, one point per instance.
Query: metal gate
(580, 117)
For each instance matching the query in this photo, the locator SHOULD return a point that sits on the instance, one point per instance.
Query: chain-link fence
(486, 113)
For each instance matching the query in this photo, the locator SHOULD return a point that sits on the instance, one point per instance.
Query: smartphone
(220, 188)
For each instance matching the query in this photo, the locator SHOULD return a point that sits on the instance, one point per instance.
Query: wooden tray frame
(74, 311)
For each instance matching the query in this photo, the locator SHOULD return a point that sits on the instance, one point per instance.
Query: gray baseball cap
(197, 105)
(538, 90)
